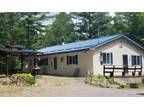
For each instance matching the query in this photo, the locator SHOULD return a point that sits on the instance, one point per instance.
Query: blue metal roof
(76, 46)
(80, 45)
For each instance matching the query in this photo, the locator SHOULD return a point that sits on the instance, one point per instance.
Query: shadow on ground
(142, 94)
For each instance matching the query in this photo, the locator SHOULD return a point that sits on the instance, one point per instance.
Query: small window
(106, 58)
(43, 62)
(72, 59)
(136, 60)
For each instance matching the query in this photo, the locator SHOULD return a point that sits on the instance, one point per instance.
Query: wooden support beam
(30, 63)
(7, 66)
(22, 63)
(34, 61)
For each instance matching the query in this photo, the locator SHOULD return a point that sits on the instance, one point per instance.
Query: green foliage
(37, 30)
(91, 24)
(20, 28)
(130, 24)
(61, 30)
(17, 65)
(26, 79)
(102, 81)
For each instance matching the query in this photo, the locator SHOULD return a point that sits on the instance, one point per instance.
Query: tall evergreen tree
(137, 26)
(130, 24)
(33, 27)
(10, 29)
(61, 30)
(91, 24)
(121, 23)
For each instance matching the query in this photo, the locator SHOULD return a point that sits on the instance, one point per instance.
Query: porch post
(30, 63)
(34, 61)
(22, 64)
(7, 67)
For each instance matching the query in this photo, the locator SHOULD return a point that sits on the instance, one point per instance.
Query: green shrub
(23, 79)
(102, 81)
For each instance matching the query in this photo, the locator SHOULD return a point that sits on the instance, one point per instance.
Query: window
(72, 59)
(106, 58)
(43, 62)
(136, 60)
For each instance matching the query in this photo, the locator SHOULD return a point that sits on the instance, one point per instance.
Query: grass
(141, 86)
(108, 82)
(8, 90)
(54, 80)
(102, 81)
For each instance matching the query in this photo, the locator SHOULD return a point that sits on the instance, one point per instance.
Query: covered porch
(24, 55)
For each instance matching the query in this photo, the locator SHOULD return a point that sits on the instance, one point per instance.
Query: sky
(50, 21)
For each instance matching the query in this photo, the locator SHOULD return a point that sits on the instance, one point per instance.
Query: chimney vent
(63, 43)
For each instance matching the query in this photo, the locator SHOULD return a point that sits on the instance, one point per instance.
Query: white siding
(85, 59)
(115, 47)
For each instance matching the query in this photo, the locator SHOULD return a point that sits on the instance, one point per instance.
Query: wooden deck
(120, 71)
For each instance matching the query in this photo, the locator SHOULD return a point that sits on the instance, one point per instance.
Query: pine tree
(60, 30)
(91, 24)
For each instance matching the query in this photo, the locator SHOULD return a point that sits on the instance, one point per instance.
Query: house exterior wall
(89, 61)
(118, 48)
(84, 65)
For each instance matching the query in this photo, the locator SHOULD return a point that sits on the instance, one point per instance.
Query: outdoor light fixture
(62, 58)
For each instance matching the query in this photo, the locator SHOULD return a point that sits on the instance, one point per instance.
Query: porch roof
(17, 52)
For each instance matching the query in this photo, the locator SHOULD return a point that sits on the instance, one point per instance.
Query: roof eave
(120, 36)
(108, 41)
(64, 52)
(140, 46)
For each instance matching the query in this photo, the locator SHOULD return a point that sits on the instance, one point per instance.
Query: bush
(23, 79)
(102, 81)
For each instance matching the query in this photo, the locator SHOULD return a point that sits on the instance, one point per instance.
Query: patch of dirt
(63, 86)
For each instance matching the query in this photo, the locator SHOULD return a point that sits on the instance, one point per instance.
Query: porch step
(128, 80)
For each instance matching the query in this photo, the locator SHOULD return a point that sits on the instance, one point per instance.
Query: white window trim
(106, 58)
(136, 64)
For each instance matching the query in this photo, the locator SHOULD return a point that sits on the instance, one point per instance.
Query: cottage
(80, 58)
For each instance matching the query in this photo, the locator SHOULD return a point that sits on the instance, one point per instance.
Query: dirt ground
(53, 86)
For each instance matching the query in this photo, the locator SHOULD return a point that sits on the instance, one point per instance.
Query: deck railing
(123, 70)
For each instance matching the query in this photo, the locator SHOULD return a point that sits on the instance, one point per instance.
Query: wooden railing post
(140, 73)
(123, 73)
(113, 70)
(133, 73)
(104, 70)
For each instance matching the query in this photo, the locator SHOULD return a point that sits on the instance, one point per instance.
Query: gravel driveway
(67, 86)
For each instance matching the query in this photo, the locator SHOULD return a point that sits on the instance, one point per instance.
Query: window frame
(136, 60)
(72, 60)
(43, 62)
(108, 60)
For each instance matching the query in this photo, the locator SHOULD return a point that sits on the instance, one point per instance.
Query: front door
(125, 63)
(55, 63)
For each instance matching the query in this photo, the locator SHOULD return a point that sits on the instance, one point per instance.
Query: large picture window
(72, 59)
(136, 60)
(106, 58)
